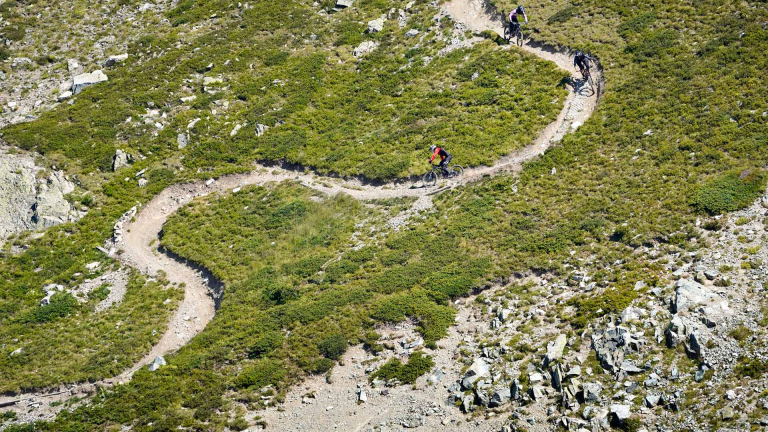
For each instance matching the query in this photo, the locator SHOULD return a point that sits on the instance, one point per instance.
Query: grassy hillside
(378, 115)
(290, 67)
(679, 134)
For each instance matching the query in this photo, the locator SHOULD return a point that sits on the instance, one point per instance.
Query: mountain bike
(430, 178)
(516, 33)
(587, 76)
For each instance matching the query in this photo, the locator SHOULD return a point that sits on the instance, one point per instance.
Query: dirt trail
(139, 248)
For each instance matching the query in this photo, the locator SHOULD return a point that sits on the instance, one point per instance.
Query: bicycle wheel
(507, 34)
(589, 80)
(456, 170)
(520, 38)
(429, 179)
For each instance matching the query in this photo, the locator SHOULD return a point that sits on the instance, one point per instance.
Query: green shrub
(260, 374)
(729, 192)
(418, 364)
(563, 15)
(333, 347)
(653, 44)
(751, 367)
(636, 24)
(266, 344)
(321, 365)
(61, 305)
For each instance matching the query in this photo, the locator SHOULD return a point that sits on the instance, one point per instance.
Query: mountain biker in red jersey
(514, 24)
(581, 61)
(445, 157)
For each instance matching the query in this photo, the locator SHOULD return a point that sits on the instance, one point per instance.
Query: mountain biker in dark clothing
(445, 157)
(581, 61)
(512, 17)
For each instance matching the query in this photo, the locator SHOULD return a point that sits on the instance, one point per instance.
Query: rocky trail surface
(137, 244)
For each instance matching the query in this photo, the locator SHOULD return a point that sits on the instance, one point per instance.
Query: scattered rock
(412, 33)
(64, 96)
(115, 59)
(500, 397)
(555, 349)
(342, 4)
(365, 48)
(377, 25)
(157, 363)
(477, 370)
(80, 82)
(651, 400)
(690, 295)
(620, 412)
(182, 140)
(121, 159)
(591, 391)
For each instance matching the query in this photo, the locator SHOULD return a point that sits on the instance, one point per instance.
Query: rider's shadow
(580, 86)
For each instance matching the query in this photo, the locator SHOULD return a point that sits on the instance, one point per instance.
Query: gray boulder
(157, 364)
(677, 332)
(377, 25)
(30, 200)
(555, 349)
(466, 404)
(481, 397)
(478, 369)
(341, 4)
(412, 33)
(620, 412)
(536, 393)
(690, 295)
(591, 391)
(364, 48)
(115, 59)
(182, 140)
(80, 82)
(651, 400)
(121, 159)
(500, 397)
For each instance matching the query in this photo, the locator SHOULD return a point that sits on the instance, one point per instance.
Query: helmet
(432, 147)
(579, 53)
(520, 9)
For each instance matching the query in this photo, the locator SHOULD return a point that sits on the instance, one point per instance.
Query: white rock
(64, 96)
(115, 59)
(365, 48)
(212, 80)
(188, 99)
(412, 33)
(377, 25)
(621, 412)
(193, 123)
(181, 140)
(555, 349)
(235, 130)
(92, 266)
(82, 81)
(121, 159)
(261, 129)
(690, 295)
(159, 361)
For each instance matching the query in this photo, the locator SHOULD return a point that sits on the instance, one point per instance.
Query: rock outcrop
(29, 200)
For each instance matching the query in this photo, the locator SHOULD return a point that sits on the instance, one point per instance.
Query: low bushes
(730, 192)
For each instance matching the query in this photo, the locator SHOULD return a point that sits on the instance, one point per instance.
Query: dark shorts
(447, 160)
